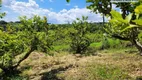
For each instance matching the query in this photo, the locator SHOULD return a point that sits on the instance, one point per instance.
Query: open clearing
(106, 65)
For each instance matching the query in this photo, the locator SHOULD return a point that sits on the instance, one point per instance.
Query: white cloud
(31, 8)
(116, 8)
(7, 2)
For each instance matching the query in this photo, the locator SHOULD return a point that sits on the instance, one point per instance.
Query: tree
(128, 29)
(79, 38)
(39, 29)
(17, 46)
(3, 22)
(1, 14)
(100, 6)
(105, 7)
(123, 26)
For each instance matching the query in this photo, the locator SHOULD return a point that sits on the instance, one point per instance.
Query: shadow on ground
(51, 75)
(15, 75)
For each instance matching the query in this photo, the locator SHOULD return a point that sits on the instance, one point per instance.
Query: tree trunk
(12, 69)
(25, 57)
(78, 50)
(138, 46)
(124, 13)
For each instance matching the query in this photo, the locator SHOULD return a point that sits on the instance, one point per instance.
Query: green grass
(96, 45)
(61, 47)
(106, 72)
(114, 43)
(14, 77)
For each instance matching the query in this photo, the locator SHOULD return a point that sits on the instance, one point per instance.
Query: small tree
(79, 38)
(127, 29)
(16, 46)
(36, 30)
(105, 6)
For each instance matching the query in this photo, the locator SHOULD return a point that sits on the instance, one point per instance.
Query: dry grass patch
(105, 66)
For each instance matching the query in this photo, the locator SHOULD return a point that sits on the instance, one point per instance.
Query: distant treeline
(3, 24)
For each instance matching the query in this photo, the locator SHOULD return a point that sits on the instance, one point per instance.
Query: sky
(56, 11)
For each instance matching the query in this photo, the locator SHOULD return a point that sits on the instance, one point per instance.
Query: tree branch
(120, 37)
(23, 58)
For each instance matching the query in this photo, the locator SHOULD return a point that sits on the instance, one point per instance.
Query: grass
(17, 77)
(96, 45)
(110, 64)
(61, 47)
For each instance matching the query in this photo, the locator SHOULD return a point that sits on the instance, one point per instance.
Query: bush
(17, 46)
(79, 38)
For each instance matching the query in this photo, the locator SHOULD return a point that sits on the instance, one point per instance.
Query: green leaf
(116, 14)
(68, 1)
(140, 36)
(89, 0)
(138, 9)
(138, 21)
(129, 27)
(129, 17)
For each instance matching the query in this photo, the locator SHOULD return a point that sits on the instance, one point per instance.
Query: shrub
(79, 38)
(17, 46)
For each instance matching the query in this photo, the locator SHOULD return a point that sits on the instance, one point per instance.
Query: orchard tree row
(34, 34)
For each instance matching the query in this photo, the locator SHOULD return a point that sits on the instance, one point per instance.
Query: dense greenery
(125, 26)
(127, 29)
(79, 36)
(105, 7)
(18, 40)
(16, 46)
